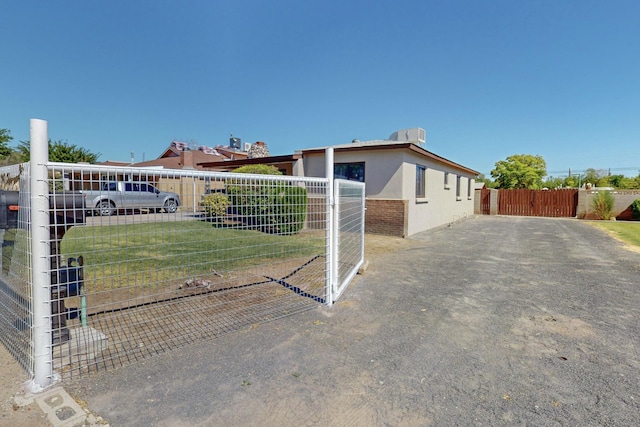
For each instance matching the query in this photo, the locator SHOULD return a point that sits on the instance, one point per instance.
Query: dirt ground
(13, 377)
(495, 321)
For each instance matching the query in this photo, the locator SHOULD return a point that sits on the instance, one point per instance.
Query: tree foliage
(272, 207)
(5, 139)
(635, 209)
(258, 169)
(487, 181)
(60, 151)
(520, 171)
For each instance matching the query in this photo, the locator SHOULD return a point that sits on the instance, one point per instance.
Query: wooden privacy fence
(549, 203)
(485, 201)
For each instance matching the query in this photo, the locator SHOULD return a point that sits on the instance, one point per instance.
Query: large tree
(5, 139)
(60, 151)
(520, 171)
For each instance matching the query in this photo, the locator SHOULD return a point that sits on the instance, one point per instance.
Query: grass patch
(628, 232)
(151, 253)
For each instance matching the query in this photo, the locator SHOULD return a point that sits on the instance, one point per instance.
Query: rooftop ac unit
(415, 135)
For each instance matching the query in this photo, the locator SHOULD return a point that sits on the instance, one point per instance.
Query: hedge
(635, 208)
(279, 208)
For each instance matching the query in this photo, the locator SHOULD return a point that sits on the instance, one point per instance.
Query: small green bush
(278, 208)
(258, 169)
(289, 209)
(215, 205)
(603, 205)
(273, 207)
(635, 208)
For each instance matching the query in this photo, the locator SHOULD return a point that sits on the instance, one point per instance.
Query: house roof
(174, 158)
(114, 163)
(271, 160)
(379, 144)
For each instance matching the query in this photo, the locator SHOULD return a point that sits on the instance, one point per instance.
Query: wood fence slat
(522, 202)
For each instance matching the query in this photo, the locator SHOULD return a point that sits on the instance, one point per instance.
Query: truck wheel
(104, 208)
(170, 206)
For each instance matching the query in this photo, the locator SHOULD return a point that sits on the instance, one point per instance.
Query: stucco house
(408, 189)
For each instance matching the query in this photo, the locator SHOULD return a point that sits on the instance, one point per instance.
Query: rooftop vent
(414, 135)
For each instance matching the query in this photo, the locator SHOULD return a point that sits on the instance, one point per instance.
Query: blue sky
(486, 79)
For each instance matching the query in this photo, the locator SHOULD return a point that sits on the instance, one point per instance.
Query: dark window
(446, 180)
(147, 188)
(458, 186)
(350, 171)
(420, 181)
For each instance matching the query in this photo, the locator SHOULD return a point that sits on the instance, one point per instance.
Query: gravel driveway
(494, 321)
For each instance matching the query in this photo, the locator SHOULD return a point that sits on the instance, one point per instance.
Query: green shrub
(279, 208)
(215, 205)
(635, 208)
(289, 209)
(258, 169)
(274, 207)
(603, 205)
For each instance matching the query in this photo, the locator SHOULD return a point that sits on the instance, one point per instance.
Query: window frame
(421, 183)
(348, 174)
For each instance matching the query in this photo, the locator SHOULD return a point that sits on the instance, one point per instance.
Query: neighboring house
(180, 155)
(408, 189)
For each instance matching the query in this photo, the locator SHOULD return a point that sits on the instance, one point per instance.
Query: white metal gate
(349, 231)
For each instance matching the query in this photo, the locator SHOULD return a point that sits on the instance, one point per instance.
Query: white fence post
(331, 273)
(40, 254)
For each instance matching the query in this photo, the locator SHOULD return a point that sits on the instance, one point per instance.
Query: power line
(637, 168)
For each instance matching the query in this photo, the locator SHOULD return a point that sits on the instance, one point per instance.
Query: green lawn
(158, 252)
(628, 232)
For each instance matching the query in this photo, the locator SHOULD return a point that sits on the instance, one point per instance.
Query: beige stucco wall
(382, 170)
(392, 175)
(441, 205)
(621, 208)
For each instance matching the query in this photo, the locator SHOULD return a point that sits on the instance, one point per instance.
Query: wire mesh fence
(16, 312)
(158, 273)
(145, 260)
(350, 205)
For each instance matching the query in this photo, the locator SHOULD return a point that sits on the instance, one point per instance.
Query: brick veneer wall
(386, 216)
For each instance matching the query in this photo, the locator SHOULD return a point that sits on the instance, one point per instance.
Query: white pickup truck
(115, 195)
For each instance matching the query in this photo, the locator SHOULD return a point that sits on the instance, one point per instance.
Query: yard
(628, 232)
(118, 256)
